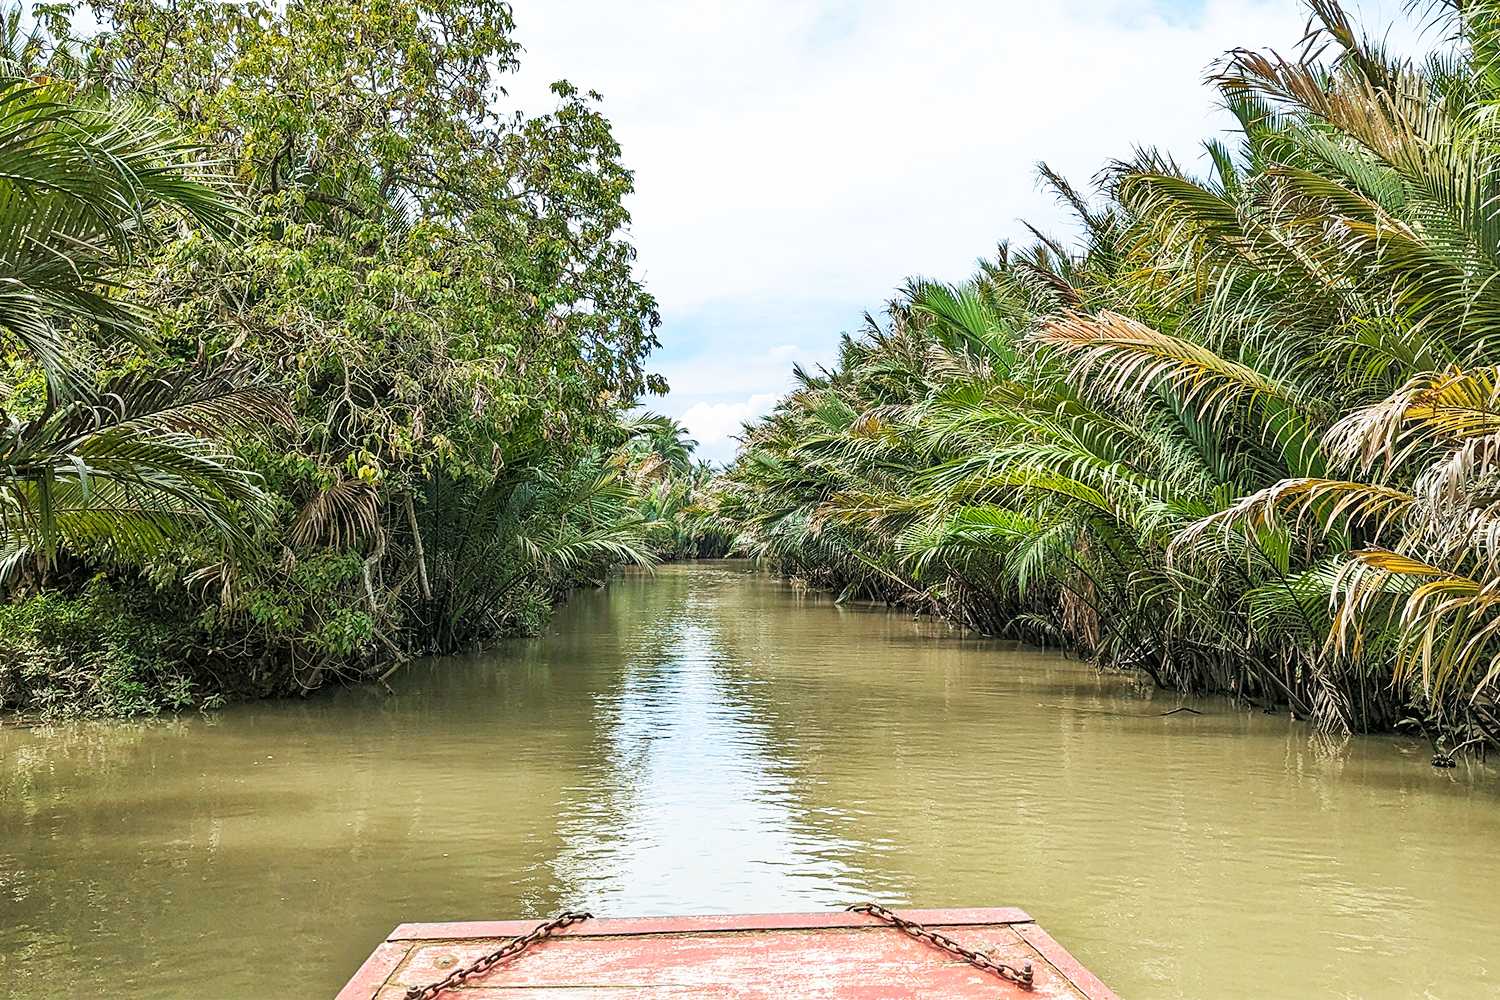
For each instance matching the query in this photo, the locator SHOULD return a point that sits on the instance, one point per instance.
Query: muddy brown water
(708, 739)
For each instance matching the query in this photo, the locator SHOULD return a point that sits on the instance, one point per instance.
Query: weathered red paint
(820, 956)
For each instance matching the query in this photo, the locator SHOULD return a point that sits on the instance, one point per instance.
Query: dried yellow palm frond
(339, 515)
(223, 580)
(1453, 485)
(1361, 582)
(1434, 407)
(1459, 403)
(1292, 502)
(1447, 623)
(1393, 117)
(1460, 536)
(876, 423)
(653, 466)
(1124, 359)
(945, 366)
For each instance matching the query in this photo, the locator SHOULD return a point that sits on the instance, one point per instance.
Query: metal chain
(510, 949)
(1021, 977)
(978, 959)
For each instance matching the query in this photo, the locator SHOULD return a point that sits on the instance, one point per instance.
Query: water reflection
(690, 809)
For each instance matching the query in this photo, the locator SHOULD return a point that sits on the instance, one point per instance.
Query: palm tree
(658, 447)
(76, 186)
(125, 465)
(510, 544)
(1240, 437)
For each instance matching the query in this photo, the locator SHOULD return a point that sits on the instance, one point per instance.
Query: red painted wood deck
(808, 956)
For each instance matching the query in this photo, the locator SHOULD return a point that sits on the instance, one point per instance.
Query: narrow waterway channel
(709, 739)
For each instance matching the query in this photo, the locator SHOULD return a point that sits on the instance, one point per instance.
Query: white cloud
(797, 159)
(733, 369)
(714, 424)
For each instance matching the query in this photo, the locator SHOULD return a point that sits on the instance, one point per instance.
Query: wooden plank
(818, 956)
(751, 965)
(603, 927)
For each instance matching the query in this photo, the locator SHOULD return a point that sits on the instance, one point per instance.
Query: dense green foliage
(381, 337)
(673, 490)
(1243, 438)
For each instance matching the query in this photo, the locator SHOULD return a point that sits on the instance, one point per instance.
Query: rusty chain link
(1021, 977)
(510, 949)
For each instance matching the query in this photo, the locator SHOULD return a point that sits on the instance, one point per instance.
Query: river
(708, 739)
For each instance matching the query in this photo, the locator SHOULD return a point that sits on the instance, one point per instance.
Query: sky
(796, 160)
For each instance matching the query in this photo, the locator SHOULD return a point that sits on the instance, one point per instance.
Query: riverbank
(121, 648)
(1235, 430)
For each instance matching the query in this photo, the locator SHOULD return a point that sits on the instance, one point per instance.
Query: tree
(443, 294)
(1240, 437)
(123, 469)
